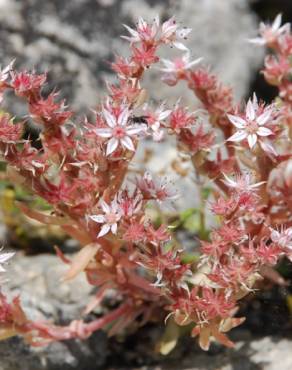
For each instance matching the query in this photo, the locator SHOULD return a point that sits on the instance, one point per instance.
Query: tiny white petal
(194, 62)
(264, 131)
(255, 101)
(123, 117)
(128, 143)
(168, 27)
(142, 23)
(114, 228)
(132, 31)
(268, 148)
(105, 207)
(252, 139)
(257, 41)
(98, 218)
(104, 230)
(250, 112)
(237, 121)
(277, 22)
(285, 28)
(164, 114)
(238, 136)
(135, 130)
(229, 182)
(112, 145)
(130, 39)
(180, 46)
(110, 119)
(155, 126)
(103, 132)
(4, 257)
(264, 117)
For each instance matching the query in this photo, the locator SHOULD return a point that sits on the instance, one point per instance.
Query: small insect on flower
(139, 119)
(155, 119)
(109, 219)
(252, 126)
(119, 131)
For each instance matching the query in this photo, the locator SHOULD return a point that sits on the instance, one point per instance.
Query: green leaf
(206, 191)
(193, 223)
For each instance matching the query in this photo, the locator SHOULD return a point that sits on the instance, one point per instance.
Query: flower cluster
(84, 172)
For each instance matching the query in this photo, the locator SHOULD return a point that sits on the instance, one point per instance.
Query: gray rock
(38, 280)
(44, 296)
(75, 40)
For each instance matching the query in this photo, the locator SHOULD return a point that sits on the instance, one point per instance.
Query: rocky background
(74, 40)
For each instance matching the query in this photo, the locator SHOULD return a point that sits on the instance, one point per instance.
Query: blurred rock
(74, 40)
(43, 296)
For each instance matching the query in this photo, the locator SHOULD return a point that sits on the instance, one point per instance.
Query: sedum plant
(241, 153)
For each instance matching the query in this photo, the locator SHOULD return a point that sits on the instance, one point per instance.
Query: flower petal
(123, 117)
(252, 139)
(257, 41)
(104, 230)
(163, 115)
(194, 62)
(277, 22)
(250, 111)
(238, 136)
(128, 143)
(105, 207)
(180, 46)
(98, 218)
(110, 119)
(133, 130)
(133, 32)
(264, 117)
(112, 145)
(237, 121)
(268, 148)
(4, 257)
(103, 132)
(264, 131)
(114, 228)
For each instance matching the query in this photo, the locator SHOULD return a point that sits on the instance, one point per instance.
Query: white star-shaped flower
(110, 218)
(252, 126)
(119, 132)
